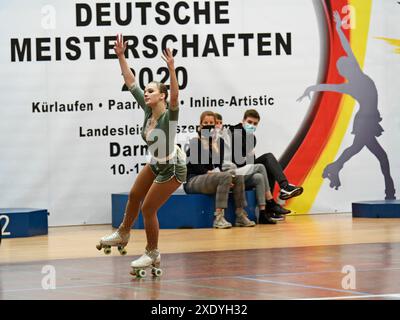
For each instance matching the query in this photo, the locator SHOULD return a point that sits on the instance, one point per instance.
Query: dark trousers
(274, 170)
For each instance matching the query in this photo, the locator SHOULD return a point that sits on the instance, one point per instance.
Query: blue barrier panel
(183, 210)
(376, 209)
(23, 222)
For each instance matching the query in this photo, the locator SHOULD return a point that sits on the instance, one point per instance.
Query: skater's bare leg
(348, 153)
(377, 150)
(332, 170)
(137, 194)
(157, 195)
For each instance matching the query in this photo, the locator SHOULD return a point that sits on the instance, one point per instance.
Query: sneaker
(266, 218)
(273, 207)
(243, 221)
(277, 217)
(220, 222)
(290, 191)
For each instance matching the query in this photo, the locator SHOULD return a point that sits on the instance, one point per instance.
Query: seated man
(243, 137)
(255, 177)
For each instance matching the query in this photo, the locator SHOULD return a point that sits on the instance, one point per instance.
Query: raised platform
(23, 222)
(376, 209)
(183, 210)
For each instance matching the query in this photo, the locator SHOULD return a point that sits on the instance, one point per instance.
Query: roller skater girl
(163, 175)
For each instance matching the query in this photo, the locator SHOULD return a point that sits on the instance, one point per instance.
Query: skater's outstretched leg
(377, 150)
(332, 170)
(137, 194)
(120, 238)
(156, 196)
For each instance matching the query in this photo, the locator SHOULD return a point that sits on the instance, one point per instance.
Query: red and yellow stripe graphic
(333, 110)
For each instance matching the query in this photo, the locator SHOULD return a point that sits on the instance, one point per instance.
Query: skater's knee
(135, 196)
(148, 209)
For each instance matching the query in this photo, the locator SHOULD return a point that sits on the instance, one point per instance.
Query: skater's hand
(168, 58)
(120, 46)
(307, 93)
(338, 20)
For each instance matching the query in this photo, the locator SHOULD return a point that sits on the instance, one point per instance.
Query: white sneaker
(220, 222)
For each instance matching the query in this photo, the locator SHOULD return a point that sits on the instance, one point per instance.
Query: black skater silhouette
(366, 127)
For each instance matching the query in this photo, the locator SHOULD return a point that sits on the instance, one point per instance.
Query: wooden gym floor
(303, 257)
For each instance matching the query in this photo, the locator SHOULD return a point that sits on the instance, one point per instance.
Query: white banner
(70, 136)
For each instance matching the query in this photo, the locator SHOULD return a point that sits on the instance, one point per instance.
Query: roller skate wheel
(107, 250)
(122, 251)
(140, 273)
(157, 272)
(99, 247)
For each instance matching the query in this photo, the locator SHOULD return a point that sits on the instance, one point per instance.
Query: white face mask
(250, 128)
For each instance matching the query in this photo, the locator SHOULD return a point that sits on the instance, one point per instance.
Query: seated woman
(204, 174)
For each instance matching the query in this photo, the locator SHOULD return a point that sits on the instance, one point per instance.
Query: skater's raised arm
(174, 88)
(343, 40)
(341, 88)
(119, 49)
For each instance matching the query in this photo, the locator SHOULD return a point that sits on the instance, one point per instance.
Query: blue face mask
(249, 128)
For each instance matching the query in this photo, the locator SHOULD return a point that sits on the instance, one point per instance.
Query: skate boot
(117, 239)
(220, 222)
(150, 259)
(390, 193)
(332, 173)
(243, 221)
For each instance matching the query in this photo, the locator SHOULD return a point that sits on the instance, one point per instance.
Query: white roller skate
(150, 259)
(117, 239)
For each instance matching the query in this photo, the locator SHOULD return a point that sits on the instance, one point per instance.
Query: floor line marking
(388, 295)
(302, 285)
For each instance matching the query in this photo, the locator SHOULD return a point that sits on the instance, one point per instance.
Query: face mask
(249, 128)
(207, 131)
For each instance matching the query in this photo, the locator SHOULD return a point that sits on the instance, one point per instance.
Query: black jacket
(196, 153)
(247, 141)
